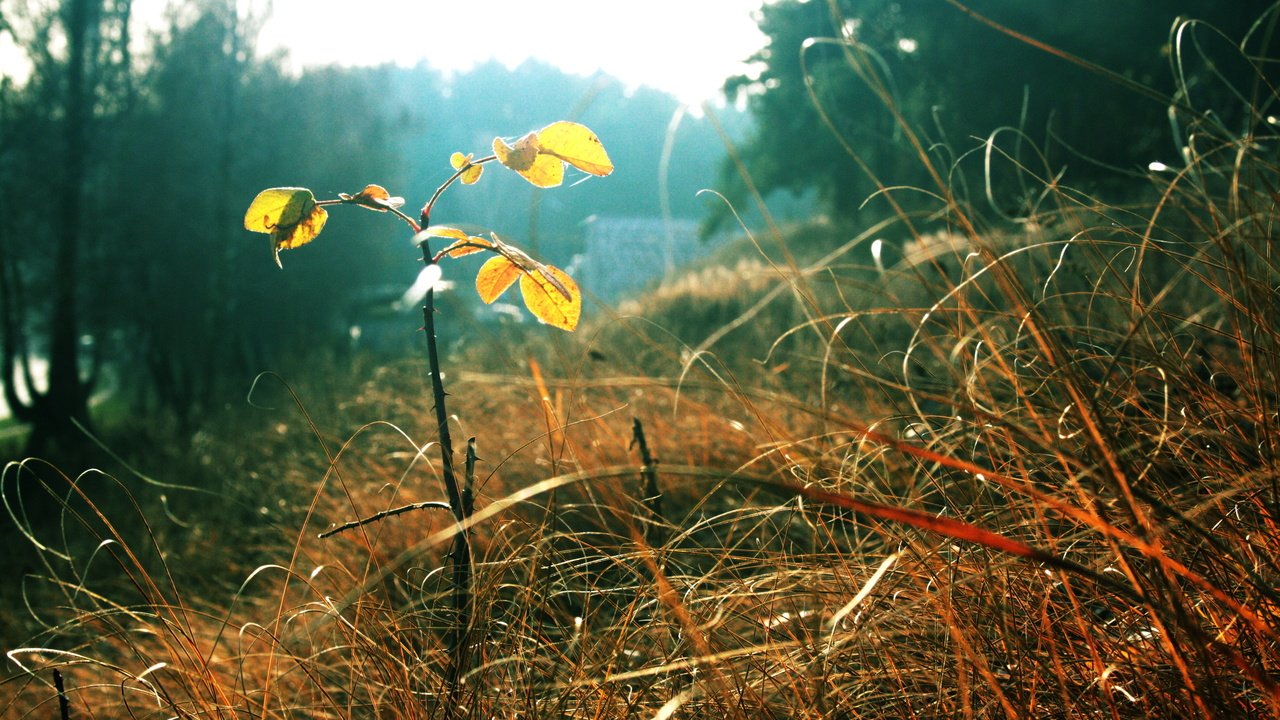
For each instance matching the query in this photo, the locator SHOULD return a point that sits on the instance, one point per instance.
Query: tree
(43, 291)
(183, 322)
(177, 144)
(175, 188)
(953, 80)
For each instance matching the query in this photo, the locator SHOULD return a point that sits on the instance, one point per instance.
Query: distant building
(625, 254)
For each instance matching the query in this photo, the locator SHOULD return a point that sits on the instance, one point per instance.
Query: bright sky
(686, 47)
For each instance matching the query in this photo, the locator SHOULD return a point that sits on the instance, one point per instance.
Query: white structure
(624, 254)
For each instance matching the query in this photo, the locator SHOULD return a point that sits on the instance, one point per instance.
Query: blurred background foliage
(163, 151)
(957, 81)
(124, 174)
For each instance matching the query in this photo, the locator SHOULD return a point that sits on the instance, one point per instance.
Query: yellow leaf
(576, 145)
(373, 197)
(301, 233)
(463, 244)
(278, 207)
(444, 231)
(461, 248)
(495, 276)
(547, 171)
(552, 296)
(470, 173)
(466, 247)
(520, 157)
(542, 170)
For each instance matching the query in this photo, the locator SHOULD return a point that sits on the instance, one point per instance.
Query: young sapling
(293, 216)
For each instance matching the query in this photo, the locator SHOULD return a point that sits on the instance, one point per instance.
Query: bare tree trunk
(66, 401)
(12, 339)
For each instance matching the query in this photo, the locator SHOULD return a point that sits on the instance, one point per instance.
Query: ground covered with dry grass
(939, 467)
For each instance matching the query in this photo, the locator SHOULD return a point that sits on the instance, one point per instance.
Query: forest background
(125, 164)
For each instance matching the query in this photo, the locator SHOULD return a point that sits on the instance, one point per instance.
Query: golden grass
(1029, 471)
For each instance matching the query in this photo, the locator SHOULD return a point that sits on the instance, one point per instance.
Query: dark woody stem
(460, 553)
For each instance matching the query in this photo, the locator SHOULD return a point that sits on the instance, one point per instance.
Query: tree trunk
(65, 402)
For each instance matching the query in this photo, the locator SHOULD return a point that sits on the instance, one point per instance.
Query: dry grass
(1018, 472)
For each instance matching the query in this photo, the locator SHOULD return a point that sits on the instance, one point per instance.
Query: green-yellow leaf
(552, 296)
(495, 276)
(576, 145)
(289, 215)
(306, 230)
(278, 207)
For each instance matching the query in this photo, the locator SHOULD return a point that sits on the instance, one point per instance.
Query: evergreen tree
(836, 77)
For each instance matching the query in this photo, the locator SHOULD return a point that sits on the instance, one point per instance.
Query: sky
(685, 47)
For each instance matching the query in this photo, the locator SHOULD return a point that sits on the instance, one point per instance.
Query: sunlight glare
(687, 49)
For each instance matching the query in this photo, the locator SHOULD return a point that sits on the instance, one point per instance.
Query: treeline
(124, 176)
(126, 163)
(850, 96)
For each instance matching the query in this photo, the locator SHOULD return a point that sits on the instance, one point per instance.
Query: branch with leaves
(293, 217)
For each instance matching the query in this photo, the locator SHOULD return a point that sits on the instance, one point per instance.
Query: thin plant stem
(649, 472)
(384, 514)
(426, 209)
(64, 706)
(460, 553)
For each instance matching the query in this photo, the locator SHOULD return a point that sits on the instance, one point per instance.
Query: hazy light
(685, 48)
(877, 248)
(908, 45)
(12, 59)
(428, 279)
